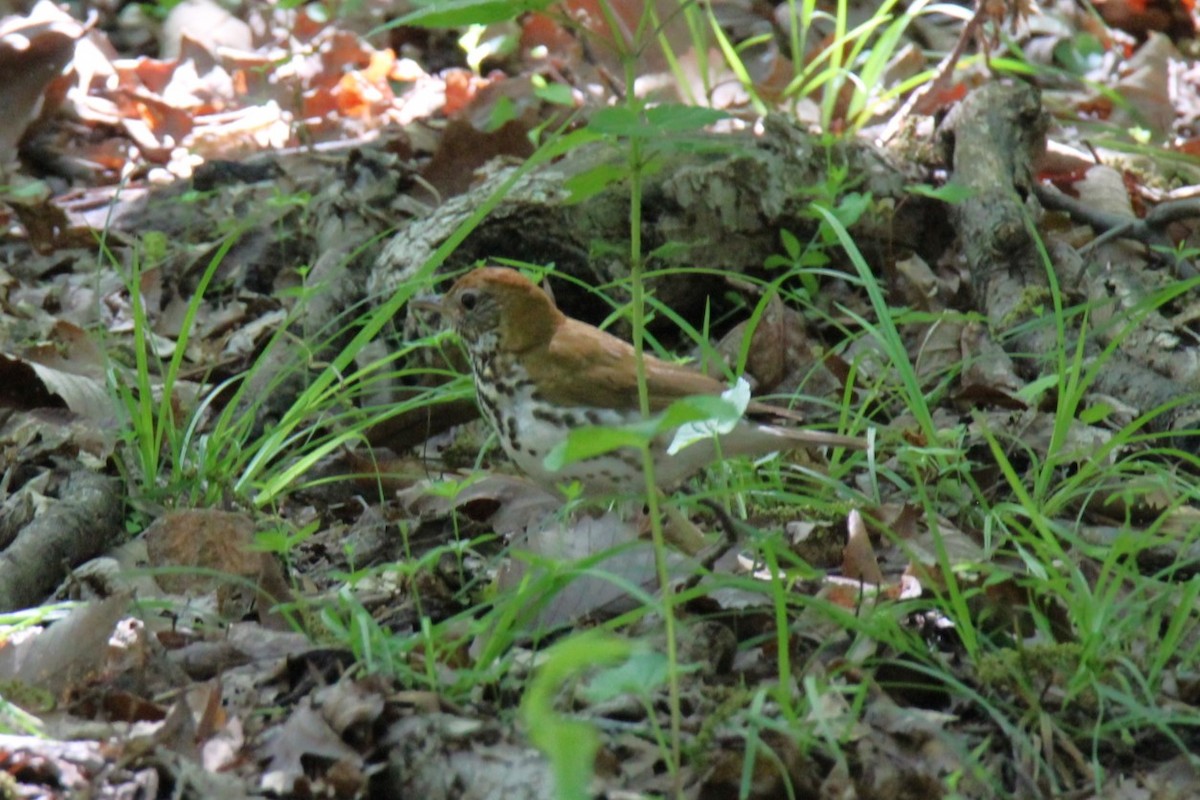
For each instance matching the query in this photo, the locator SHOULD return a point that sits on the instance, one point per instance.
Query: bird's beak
(427, 304)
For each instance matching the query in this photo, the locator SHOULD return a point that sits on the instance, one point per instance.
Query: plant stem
(638, 323)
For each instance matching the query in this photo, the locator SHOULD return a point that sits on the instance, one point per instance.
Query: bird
(540, 374)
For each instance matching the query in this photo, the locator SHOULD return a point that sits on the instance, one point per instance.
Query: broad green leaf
(852, 207)
(504, 111)
(791, 245)
(591, 441)
(653, 122)
(461, 13)
(642, 673)
(569, 744)
(591, 182)
(617, 121)
(676, 118)
(949, 193)
(1093, 414)
(699, 409)
(701, 418)
(554, 93)
(1032, 392)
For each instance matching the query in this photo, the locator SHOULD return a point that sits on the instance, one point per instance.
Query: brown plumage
(539, 374)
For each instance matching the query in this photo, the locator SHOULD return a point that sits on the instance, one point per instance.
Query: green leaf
(617, 121)
(641, 674)
(570, 745)
(698, 419)
(692, 419)
(671, 250)
(949, 193)
(1079, 55)
(504, 111)
(591, 441)
(676, 118)
(461, 13)
(31, 191)
(591, 182)
(653, 122)
(791, 245)
(1032, 392)
(852, 207)
(558, 94)
(1093, 414)
(701, 408)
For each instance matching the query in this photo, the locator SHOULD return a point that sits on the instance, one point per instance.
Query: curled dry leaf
(66, 651)
(988, 374)
(307, 734)
(778, 345)
(34, 50)
(859, 559)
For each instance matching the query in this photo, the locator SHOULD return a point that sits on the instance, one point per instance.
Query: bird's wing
(584, 366)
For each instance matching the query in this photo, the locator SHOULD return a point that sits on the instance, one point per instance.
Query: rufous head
(502, 303)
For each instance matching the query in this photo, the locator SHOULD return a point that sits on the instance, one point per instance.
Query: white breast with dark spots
(529, 428)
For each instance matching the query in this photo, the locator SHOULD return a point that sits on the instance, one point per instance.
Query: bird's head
(500, 303)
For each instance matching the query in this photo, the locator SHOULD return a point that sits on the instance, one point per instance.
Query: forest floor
(255, 539)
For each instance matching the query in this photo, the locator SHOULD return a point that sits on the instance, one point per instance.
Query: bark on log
(993, 137)
(82, 523)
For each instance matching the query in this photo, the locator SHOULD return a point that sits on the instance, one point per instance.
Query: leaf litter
(193, 692)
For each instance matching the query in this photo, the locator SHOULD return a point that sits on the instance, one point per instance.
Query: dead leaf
(859, 559)
(66, 651)
(34, 50)
(182, 543)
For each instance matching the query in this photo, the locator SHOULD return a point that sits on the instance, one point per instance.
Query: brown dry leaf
(34, 50)
(22, 387)
(461, 87)
(26, 384)
(516, 507)
(349, 82)
(627, 558)
(67, 371)
(182, 542)
(207, 24)
(495, 122)
(1034, 429)
(66, 651)
(509, 503)
(939, 348)
(1103, 188)
(450, 757)
(604, 46)
(1140, 17)
(1146, 85)
(562, 49)
(778, 347)
(901, 521)
(788, 772)
(925, 548)
(71, 349)
(1181, 522)
(48, 227)
(917, 284)
(858, 558)
(307, 734)
(988, 375)
(907, 526)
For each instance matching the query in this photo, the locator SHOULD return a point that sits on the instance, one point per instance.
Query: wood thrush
(540, 374)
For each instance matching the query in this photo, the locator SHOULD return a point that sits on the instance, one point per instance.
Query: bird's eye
(468, 299)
